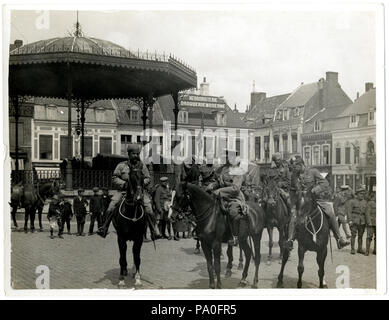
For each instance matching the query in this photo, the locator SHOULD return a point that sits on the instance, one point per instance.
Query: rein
(135, 219)
(204, 215)
(310, 220)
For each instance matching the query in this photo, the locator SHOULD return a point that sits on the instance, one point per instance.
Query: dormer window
(317, 126)
(221, 119)
(100, 114)
(183, 116)
(285, 115)
(354, 121)
(134, 113)
(279, 115)
(371, 117)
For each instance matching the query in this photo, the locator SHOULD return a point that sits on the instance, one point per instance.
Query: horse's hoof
(211, 286)
(242, 283)
(268, 263)
(138, 283)
(218, 285)
(299, 285)
(228, 273)
(255, 285)
(197, 251)
(121, 283)
(240, 266)
(124, 273)
(280, 284)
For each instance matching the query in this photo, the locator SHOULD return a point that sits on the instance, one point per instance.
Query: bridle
(136, 205)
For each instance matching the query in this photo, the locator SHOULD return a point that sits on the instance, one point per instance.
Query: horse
(277, 216)
(129, 222)
(312, 234)
(31, 199)
(212, 228)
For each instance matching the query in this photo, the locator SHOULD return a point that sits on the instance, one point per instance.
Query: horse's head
(181, 199)
(272, 194)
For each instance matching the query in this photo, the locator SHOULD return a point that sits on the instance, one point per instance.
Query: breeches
(117, 197)
(357, 229)
(371, 231)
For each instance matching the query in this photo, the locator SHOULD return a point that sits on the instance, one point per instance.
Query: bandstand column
(69, 170)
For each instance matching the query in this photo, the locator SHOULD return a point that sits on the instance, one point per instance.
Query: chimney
(357, 96)
(257, 97)
(332, 77)
(368, 86)
(15, 45)
(204, 87)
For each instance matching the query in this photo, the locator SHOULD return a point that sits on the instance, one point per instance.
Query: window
(266, 147)
(12, 134)
(63, 147)
(317, 126)
(125, 140)
(106, 145)
(285, 143)
(356, 154)
(307, 155)
(353, 121)
(338, 155)
(45, 147)
(221, 119)
(371, 115)
(297, 111)
(294, 143)
(222, 145)
(279, 115)
(183, 116)
(326, 154)
(347, 155)
(134, 113)
(88, 146)
(316, 155)
(257, 148)
(237, 146)
(285, 115)
(276, 144)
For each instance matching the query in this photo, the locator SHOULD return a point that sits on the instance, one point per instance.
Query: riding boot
(103, 230)
(352, 245)
(360, 250)
(341, 242)
(291, 232)
(163, 229)
(169, 230)
(368, 242)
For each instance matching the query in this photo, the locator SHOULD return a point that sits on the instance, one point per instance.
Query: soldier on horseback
(228, 189)
(120, 179)
(279, 172)
(318, 187)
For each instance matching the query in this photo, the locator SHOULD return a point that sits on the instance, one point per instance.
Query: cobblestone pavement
(93, 262)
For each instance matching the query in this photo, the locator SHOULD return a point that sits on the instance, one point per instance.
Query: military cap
(344, 187)
(276, 156)
(163, 179)
(297, 159)
(80, 190)
(95, 189)
(359, 190)
(104, 188)
(133, 147)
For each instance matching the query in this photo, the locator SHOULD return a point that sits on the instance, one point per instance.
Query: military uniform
(96, 209)
(207, 173)
(54, 215)
(357, 215)
(120, 178)
(79, 205)
(340, 206)
(67, 213)
(162, 199)
(371, 224)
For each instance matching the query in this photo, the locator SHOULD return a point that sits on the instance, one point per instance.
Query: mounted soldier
(228, 188)
(311, 181)
(120, 180)
(207, 173)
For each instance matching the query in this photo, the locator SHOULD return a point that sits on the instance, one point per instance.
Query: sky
(277, 49)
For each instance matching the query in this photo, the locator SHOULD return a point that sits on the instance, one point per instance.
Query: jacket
(122, 173)
(79, 206)
(96, 204)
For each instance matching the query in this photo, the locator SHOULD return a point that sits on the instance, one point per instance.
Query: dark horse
(129, 221)
(212, 228)
(276, 216)
(31, 198)
(312, 234)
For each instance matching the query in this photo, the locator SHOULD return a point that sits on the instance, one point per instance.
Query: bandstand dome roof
(96, 69)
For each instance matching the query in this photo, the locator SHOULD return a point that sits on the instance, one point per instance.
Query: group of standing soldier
(357, 213)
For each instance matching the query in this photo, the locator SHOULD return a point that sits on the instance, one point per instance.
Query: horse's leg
(26, 215)
(257, 247)
(136, 248)
(281, 242)
(285, 257)
(230, 260)
(13, 214)
(300, 267)
(240, 265)
(40, 210)
(32, 219)
(208, 256)
(197, 250)
(217, 249)
(321, 258)
(243, 242)
(122, 260)
(270, 232)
